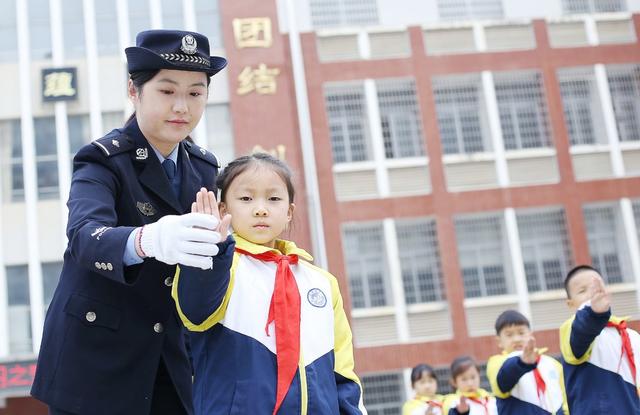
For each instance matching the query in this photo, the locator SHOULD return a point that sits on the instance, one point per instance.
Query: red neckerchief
(428, 401)
(626, 346)
(482, 401)
(541, 386)
(284, 310)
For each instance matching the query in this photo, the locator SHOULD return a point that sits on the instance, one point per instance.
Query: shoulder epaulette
(201, 153)
(115, 142)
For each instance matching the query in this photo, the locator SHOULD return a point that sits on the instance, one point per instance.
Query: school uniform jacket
(235, 359)
(108, 325)
(480, 403)
(419, 405)
(514, 385)
(597, 376)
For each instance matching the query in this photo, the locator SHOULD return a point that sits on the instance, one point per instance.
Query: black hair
(510, 318)
(241, 164)
(573, 272)
(461, 364)
(421, 369)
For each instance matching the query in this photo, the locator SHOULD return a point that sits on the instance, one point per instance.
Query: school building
(453, 158)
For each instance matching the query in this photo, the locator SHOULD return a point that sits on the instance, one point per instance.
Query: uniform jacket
(485, 405)
(108, 325)
(235, 360)
(597, 377)
(419, 405)
(514, 385)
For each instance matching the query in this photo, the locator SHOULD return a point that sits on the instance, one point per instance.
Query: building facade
(453, 158)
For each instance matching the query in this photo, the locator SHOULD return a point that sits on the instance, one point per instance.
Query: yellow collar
(282, 247)
(618, 320)
(479, 393)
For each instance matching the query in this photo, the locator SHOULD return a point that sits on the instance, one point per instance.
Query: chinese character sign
(262, 80)
(17, 375)
(59, 84)
(252, 32)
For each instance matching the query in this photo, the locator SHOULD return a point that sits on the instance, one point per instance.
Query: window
(46, 157)
(107, 27)
(607, 245)
(483, 254)
(624, 83)
(364, 251)
(470, 9)
(50, 276)
(636, 215)
(328, 13)
(8, 33)
(220, 133)
(208, 21)
(346, 110)
(11, 160)
(522, 107)
(400, 118)
(444, 376)
(172, 14)
(19, 309)
(420, 260)
(139, 18)
(384, 393)
(592, 6)
(39, 28)
(73, 29)
(546, 251)
(79, 131)
(582, 109)
(110, 121)
(460, 109)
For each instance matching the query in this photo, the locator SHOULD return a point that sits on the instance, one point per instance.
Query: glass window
(420, 260)
(8, 33)
(107, 27)
(208, 21)
(636, 215)
(592, 6)
(364, 249)
(39, 29)
(400, 118)
(470, 9)
(19, 309)
(385, 393)
(624, 83)
(460, 111)
(110, 121)
(172, 14)
(50, 276)
(484, 256)
(220, 133)
(46, 157)
(73, 29)
(522, 107)
(11, 160)
(139, 18)
(79, 131)
(546, 250)
(328, 13)
(348, 123)
(607, 244)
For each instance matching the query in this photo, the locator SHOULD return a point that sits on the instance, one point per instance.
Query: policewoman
(112, 342)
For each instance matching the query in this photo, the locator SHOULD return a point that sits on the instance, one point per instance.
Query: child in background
(425, 384)
(268, 330)
(469, 397)
(524, 381)
(600, 353)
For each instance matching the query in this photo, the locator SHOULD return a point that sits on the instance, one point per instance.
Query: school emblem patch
(316, 298)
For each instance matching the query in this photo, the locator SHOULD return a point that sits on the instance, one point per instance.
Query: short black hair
(510, 318)
(461, 364)
(573, 272)
(421, 369)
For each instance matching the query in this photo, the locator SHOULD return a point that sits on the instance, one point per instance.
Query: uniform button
(90, 316)
(97, 264)
(168, 281)
(110, 266)
(103, 266)
(158, 328)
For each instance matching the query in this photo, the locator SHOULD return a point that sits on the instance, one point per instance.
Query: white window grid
(582, 106)
(384, 393)
(139, 18)
(220, 132)
(470, 9)
(461, 113)
(172, 14)
(80, 131)
(39, 28)
(208, 21)
(332, 13)
(624, 83)
(19, 304)
(592, 6)
(546, 249)
(348, 122)
(50, 276)
(11, 160)
(9, 33)
(400, 118)
(523, 110)
(607, 245)
(483, 252)
(420, 260)
(106, 21)
(367, 268)
(46, 157)
(73, 33)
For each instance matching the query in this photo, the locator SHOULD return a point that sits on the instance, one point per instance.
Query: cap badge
(189, 45)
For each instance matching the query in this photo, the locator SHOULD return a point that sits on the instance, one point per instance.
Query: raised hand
(529, 354)
(206, 203)
(463, 406)
(600, 300)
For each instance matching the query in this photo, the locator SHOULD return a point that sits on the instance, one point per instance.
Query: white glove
(180, 240)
